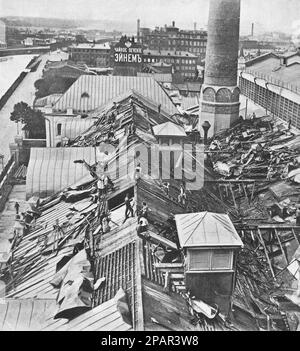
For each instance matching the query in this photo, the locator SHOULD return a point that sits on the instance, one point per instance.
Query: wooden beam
(281, 247)
(296, 236)
(266, 253)
(161, 240)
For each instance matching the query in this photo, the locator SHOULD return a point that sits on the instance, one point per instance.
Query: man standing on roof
(144, 211)
(182, 195)
(142, 226)
(17, 207)
(128, 208)
(100, 186)
(138, 171)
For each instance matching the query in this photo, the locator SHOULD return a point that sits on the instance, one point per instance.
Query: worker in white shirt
(142, 226)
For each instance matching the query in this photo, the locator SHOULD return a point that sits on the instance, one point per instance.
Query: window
(200, 260)
(221, 259)
(59, 129)
(210, 260)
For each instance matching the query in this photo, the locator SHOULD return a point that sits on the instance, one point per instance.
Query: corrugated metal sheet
(168, 311)
(206, 229)
(52, 169)
(101, 89)
(25, 314)
(47, 100)
(105, 317)
(159, 77)
(74, 127)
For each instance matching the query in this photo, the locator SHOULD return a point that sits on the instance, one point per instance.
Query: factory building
(171, 38)
(272, 81)
(2, 34)
(97, 55)
(183, 62)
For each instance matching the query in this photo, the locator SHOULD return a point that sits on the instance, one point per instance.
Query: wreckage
(88, 265)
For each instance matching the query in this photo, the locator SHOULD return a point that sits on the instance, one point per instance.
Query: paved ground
(7, 217)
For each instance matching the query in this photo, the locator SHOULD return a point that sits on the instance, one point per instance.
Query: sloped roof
(168, 129)
(105, 317)
(206, 229)
(52, 169)
(75, 126)
(102, 89)
(25, 314)
(159, 77)
(47, 100)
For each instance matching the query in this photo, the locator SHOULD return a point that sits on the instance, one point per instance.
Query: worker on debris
(290, 123)
(111, 133)
(105, 225)
(298, 217)
(138, 171)
(128, 208)
(17, 207)
(100, 186)
(143, 225)
(108, 183)
(144, 210)
(166, 188)
(182, 195)
(270, 173)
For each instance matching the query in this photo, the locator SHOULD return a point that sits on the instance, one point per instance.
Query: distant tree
(33, 120)
(80, 39)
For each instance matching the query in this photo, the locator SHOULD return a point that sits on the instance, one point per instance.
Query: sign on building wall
(128, 53)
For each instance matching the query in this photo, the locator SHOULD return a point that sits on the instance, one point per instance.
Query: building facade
(272, 82)
(97, 55)
(183, 62)
(2, 34)
(171, 38)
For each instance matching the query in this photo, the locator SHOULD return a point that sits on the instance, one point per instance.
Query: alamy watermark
(183, 162)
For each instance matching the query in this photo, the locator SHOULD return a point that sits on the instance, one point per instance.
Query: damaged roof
(52, 169)
(91, 92)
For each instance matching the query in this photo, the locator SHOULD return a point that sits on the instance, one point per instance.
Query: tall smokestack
(195, 26)
(138, 30)
(220, 94)
(173, 23)
(252, 30)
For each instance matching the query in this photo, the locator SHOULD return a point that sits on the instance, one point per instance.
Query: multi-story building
(97, 55)
(272, 81)
(183, 62)
(2, 34)
(171, 38)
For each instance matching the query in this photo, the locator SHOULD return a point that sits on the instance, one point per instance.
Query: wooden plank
(266, 253)
(162, 240)
(139, 299)
(296, 236)
(281, 247)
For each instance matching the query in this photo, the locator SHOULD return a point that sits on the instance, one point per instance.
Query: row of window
(178, 42)
(209, 260)
(272, 102)
(90, 51)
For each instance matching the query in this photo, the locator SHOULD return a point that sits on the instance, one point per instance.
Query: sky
(271, 15)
